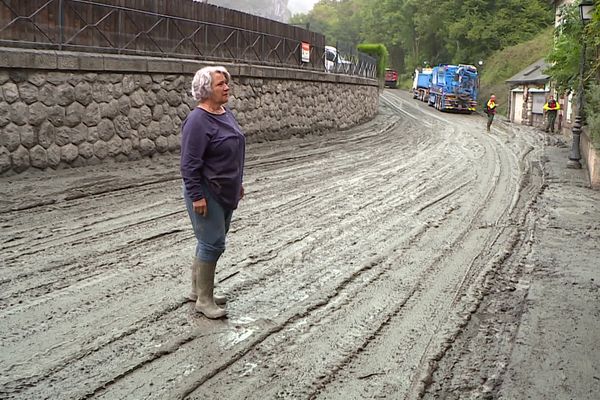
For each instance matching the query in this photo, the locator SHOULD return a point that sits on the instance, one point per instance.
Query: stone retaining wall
(60, 109)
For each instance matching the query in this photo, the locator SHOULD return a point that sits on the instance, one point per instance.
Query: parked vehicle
(454, 87)
(391, 78)
(421, 84)
(335, 62)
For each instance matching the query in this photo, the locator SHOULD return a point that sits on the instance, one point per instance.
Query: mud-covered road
(354, 262)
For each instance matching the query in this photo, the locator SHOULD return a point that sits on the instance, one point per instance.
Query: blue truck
(454, 87)
(421, 83)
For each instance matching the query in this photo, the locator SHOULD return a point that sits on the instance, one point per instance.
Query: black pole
(580, 118)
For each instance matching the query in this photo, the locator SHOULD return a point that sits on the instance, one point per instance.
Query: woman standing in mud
(212, 165)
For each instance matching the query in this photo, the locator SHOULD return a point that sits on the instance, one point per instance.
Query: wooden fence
(163, 28)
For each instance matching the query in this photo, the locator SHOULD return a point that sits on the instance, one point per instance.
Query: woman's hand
(200, 207)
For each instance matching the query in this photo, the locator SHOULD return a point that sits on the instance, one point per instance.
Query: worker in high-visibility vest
(490, 110)
(551, 109)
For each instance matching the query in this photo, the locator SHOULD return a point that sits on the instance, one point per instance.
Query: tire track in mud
(358, 347)
(326, 220)
(116, 252)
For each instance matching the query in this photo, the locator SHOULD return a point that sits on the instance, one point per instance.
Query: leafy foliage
(564, 57)
(592, 105)
(415, 31)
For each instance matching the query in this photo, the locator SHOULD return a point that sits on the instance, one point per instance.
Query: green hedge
(380, 52)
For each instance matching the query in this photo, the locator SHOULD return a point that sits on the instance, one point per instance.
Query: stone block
(28, 136)
(91, 62)
(28, 92)
(10, 91)
(68, 153)
(114, 146)
(173, 98)
(106, 129)
(53, 153)
(86, 150)
(83, 93)
(147, 147)
(137, 98)
(173, 143)
(101, 149)
(153, 130)
(157, 113)
(79, 134)
(38, 113)
(56, 115)
(102, 92)
(164, 66)
(5, 163)
(65, 94)
(125, 63)
(162, 144)
(19, 113)
(46, 134)
(109, 110)
(20, 159)
(73, 114)
(38, 157)
(10, 137)
(4, 113)
(126, 147)
(91, 116)
(129, 84)
(146, 114)
(124, 105)
(135, 118)
(63, 136)
(166, 126)
(47, 94)
(68, 61)
(29, 58)
(122, 126)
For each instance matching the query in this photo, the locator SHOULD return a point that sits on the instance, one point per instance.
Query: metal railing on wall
(161, 28)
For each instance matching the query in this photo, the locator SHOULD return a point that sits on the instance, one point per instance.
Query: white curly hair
(202, 82)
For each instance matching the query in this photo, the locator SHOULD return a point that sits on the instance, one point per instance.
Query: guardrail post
(61, 24)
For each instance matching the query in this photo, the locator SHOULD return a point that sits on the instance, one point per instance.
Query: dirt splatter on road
(354, 263)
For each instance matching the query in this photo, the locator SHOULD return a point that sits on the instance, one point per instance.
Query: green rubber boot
(193, 296)
(205, 285)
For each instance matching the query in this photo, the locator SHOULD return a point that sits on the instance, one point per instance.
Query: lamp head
(586, 9)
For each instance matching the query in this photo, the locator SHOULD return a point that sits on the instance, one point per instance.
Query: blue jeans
(210, 231)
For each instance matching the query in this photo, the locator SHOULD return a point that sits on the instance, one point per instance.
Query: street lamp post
(586, 7)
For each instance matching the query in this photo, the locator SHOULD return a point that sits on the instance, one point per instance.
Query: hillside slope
(505, 63)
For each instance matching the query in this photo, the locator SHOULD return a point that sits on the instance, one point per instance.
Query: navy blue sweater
(213, 148)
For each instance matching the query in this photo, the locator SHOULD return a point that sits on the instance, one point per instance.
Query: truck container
(454, 87)
(420, 87)
(391, 78)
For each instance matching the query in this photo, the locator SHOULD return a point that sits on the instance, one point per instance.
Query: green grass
(505, 63)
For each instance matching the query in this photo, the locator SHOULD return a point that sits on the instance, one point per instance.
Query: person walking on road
(551, 109)
(213, 149)
(490, 110)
